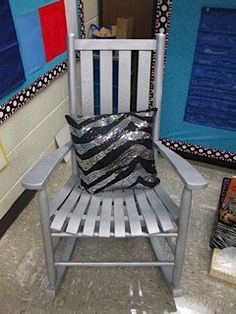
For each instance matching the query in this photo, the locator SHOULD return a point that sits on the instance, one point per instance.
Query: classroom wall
(90, 14)
(30, 133)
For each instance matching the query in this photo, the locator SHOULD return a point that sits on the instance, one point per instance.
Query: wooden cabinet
(141, 10)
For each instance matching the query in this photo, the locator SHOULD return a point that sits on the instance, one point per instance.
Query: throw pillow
(114, 151)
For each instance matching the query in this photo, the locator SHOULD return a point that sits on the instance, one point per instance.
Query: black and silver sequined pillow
(115, 151)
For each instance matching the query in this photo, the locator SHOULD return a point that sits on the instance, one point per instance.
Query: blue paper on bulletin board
(7, 30)
(212, 90)
(184, 25)
(10, 62)
(10, 59)
(30, 40)
(20, 7)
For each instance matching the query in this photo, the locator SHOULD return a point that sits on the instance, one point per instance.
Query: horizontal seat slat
(60, 197)
(104, 227)
(119, 219)
(136, 212)
(167, 202)
(147, 211)
(98, 218)
(159, 209)
(90, 222)
(134, 221)
(77, 216)
(61, 215)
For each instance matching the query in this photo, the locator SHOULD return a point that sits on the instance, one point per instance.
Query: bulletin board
(187, 125)
(33, 47)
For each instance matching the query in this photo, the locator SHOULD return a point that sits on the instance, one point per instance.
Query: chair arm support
(191, 178)
(37, 176)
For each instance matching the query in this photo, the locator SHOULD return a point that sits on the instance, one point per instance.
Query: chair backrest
(106, 49)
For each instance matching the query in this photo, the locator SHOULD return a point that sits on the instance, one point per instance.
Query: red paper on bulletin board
(54, 29)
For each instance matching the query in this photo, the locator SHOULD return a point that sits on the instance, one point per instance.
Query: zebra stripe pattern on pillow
(115, 151)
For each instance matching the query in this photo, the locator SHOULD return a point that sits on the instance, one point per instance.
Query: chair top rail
(116, 44)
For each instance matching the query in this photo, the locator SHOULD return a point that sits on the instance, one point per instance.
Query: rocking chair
(74, 213)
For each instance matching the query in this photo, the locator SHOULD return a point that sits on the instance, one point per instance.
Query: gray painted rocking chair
(73, 213)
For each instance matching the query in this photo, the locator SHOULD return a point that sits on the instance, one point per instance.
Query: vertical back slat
(124, 83)
(87, 92)
(158, 79)
(72, 74)
(105, 82)
(144, 68)
(73, 96)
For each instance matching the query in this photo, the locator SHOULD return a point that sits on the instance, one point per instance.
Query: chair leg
(181, 240)
(160, 256)
(47, 241)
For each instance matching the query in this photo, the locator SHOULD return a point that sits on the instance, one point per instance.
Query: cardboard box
(124, 27)
(218, 271)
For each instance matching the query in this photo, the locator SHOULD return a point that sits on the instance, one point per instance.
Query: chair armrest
(191, 178)
(37, 176)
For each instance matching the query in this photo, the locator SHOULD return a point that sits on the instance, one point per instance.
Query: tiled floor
(118, 291)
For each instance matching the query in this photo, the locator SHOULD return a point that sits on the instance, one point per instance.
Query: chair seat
(118, 213)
